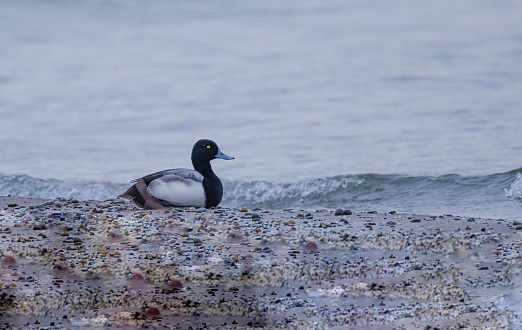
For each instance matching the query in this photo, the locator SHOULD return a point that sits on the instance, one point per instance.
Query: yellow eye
(208, 147)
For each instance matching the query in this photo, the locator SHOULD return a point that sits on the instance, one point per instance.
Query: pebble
(339, 212)
(39, 227)
(310, 246)
(152, 312)
(8, 261)
(357, 268)
(255, 215)
(174, 284)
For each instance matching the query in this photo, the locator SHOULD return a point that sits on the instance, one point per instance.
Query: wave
(515, 189)
(495, 195)
(377, 190)
(27, 186)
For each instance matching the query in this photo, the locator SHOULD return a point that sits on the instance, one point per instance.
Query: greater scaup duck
(181, 186)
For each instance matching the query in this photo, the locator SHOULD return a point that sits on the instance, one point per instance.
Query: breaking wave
(496, 195)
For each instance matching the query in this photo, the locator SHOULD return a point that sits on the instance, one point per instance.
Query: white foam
(515, 190)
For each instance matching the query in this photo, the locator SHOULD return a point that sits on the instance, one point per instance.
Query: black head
(203, 152)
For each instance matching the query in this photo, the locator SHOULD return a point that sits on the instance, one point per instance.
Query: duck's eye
(208, 147)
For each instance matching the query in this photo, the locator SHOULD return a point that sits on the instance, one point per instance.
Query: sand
(83, 264)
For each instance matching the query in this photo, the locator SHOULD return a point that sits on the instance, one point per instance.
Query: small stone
(185, 235)
(8, 261)
(483, 268)
(291, 222)
(347, 212)
(39, 227)
(57, 204)
(65, 234)
(197, 241)
(391, 223)
(77, 240)
(152, 312)
(12, 205)
(244, 209)
(310, 246)
(136, 277)
(255, 215)
(174, 284)
(339, 212)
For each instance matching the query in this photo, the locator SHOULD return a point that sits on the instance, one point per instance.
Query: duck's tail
(133, 194)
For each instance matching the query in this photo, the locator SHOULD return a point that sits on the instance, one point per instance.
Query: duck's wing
(166, 176)
(184, 173)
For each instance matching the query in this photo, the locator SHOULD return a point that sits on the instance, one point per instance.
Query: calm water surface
(380, 105)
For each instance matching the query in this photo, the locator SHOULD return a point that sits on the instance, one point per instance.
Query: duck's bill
(223, 156)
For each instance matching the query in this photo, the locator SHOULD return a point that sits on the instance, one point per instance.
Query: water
(370, 106)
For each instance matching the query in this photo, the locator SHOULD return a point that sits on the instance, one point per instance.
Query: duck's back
(181, 172)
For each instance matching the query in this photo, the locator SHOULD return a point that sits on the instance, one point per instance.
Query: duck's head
(204, 151)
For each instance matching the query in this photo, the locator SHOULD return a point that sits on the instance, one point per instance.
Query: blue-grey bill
(223, 156)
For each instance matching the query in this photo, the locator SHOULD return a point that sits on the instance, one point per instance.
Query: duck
(182, 187)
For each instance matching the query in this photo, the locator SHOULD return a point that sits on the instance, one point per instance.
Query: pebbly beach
(67, 264)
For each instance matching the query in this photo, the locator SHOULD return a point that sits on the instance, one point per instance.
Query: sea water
(405, 106)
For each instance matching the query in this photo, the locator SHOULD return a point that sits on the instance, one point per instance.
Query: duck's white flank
(178, 191)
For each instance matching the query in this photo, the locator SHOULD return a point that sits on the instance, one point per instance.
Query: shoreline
(82, 264)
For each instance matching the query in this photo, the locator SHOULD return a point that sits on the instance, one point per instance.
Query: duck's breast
(178, 191)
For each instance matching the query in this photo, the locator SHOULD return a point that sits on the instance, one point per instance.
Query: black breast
(213, 190)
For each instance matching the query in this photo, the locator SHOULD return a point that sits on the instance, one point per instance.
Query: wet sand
(84, 264)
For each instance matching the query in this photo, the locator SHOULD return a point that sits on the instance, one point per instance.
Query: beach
(66, 263)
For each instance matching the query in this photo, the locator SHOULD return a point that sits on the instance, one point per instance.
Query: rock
(174, 284)
(152, 312)
(310, 246)
(136, 277)
(8, 261)
(12, 205)
(339, 212)
(347, 212)
(391, 223)
(244, 209)
(255, 215)
(39, 227)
